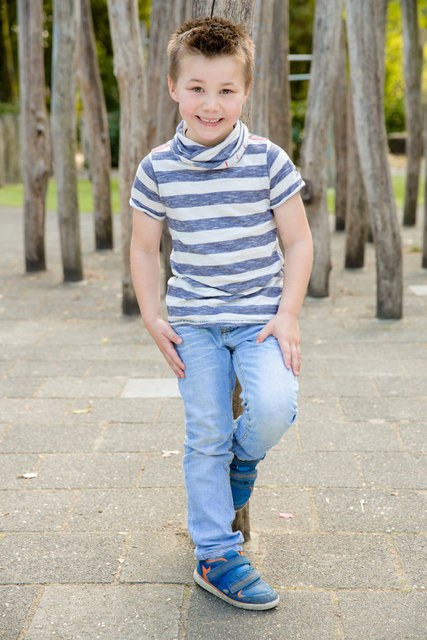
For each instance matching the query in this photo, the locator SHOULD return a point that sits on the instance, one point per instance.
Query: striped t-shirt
(218, 202)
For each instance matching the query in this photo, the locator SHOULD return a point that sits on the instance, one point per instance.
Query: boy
(225, 194)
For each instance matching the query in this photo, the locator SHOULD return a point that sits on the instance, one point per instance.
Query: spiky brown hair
(211, 37)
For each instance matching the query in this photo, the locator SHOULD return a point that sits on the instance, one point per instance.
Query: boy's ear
(172, 91)
(247, 91)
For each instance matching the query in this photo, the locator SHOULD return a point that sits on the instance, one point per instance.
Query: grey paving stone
(113, 410)
(50, 368)
(148, 437)
(159, 556)
(290, 440)
(331, 561)
(383, 616)
(22, 387)
(399, 350)
(299, 615)
(414, 366)
(34, 410)
(311, 384)
(400, 386)
(370, 510)
(34, 510)
(75, 471)
(43, 558)
(367, 366)
(385, 408)
(319, 410)
(50, 438)
(412, 550)
(267, 504)
(162, 471)
(14, 465)
(130, 510)
(89, 612)
(15, 602)
(73, 387)
(414, 435)
(171, 410)
(395, 470)
(374, 435)
(309, 469)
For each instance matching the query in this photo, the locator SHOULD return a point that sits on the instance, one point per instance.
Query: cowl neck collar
(221, 156)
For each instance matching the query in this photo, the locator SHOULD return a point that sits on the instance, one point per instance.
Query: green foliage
(394, 88)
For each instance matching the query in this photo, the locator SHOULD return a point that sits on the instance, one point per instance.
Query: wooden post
(340, 116)
(35, 162)
(129, 69)
(326, 35)
(363, 34)
(95, 113)
(279, 108)
(65, 21)
(242, 12)
(412, 65)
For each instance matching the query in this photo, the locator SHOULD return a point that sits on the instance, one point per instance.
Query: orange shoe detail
(205, 572)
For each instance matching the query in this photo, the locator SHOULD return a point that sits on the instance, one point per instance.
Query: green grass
(12, 195)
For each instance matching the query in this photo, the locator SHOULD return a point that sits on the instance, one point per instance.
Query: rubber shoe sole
(235, 603)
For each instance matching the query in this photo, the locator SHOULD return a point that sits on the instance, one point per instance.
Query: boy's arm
(145, 268)
(295, 234)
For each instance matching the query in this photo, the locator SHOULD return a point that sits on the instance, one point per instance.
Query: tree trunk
(10, 75)
(326, 35)
(130, 72)
(65, 19)
(263, 27)
(356, 223)
(366, 82)
(35, 162)
(95, 112)
(242, 12)
(340, 135)
(279, 109)
(424, 257)
(163, 113)
(412, 65)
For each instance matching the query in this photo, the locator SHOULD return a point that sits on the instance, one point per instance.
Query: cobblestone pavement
(93, 540)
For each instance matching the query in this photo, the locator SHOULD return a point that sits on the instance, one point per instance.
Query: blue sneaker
(232, 579)
(242, 479)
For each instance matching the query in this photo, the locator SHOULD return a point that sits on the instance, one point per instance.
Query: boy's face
(211, 93)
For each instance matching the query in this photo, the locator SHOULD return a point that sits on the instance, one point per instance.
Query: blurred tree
(34, 131)
(63, 121)
(365, 40)
(326, 36)
(9, 88)
(97, 126)
(412, 65)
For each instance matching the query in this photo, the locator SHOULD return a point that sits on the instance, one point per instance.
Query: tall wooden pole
(129, 69)
(34, 131)
(364, 35)
(95, 113)
(65, 23)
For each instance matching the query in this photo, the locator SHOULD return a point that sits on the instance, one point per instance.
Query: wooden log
(63, 118)
(95, 111)
(129, 69)
(34, 125)
(326, 35)
(363, 34)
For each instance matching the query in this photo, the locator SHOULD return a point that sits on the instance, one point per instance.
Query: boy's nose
(210, 102)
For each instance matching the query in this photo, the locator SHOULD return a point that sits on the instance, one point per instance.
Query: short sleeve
(145, 192)
(285, 179)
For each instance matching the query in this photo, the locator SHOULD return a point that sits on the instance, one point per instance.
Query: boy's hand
(165, 338)
(284, 327)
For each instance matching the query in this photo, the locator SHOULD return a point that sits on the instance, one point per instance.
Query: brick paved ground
(95, 544)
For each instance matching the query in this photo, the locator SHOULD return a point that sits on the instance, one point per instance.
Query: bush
(114, 132)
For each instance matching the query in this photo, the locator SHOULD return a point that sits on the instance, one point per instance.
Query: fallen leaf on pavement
(287, 516)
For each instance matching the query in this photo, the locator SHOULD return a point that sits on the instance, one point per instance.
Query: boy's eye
(197, 89)
(226, 91)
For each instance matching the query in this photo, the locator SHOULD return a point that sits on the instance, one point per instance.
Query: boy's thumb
(261, 336)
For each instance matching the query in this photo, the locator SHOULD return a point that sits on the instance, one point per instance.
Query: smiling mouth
(208, 121)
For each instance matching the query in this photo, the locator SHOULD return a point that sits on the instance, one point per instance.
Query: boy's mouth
(209, 121)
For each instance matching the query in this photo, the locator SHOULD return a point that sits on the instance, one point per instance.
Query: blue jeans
(213, 357)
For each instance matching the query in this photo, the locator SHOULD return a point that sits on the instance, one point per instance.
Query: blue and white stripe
(218, 201)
